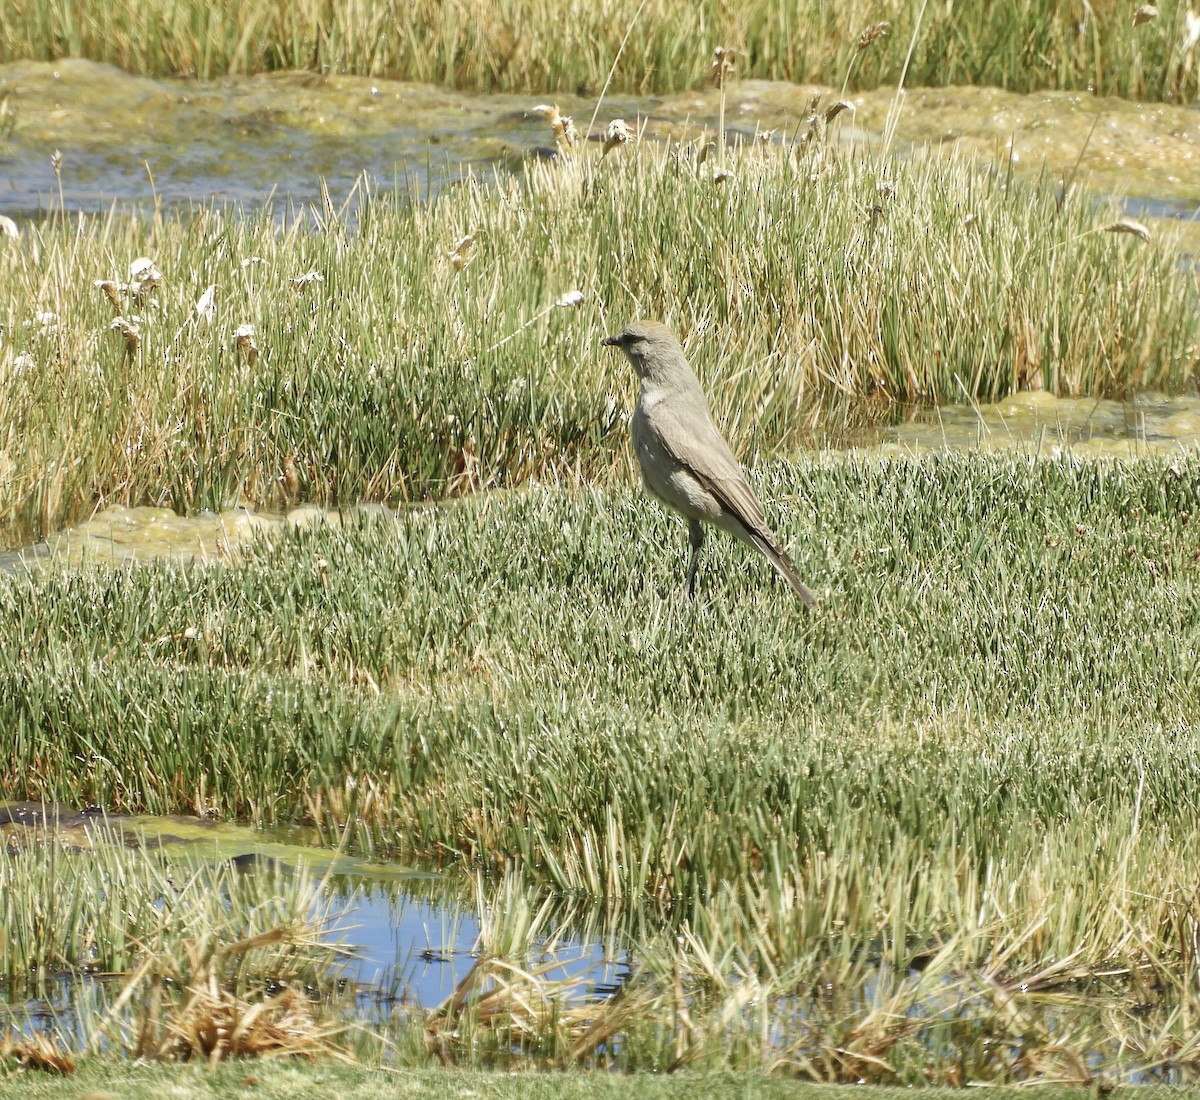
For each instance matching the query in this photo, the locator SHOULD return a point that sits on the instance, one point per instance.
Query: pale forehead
(648, 330)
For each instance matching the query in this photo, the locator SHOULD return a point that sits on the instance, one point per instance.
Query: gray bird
(684, 460)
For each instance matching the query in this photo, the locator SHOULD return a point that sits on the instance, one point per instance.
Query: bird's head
(652, 348)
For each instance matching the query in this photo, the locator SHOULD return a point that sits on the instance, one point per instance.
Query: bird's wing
(687, 432)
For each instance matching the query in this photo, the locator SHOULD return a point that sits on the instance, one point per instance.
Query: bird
(685, 461)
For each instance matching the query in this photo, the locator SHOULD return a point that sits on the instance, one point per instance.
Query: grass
(391, 656)
(331, 1082)
(421, 662)
(814, 292)
(954, 804)
(103, 908)
(940, 831)
(538, 45)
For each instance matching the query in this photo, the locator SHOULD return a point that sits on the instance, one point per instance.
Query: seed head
(112, 291)
(617, 134)
(721, 72)
(131, 329)
(290, 478)
(463, 252)
(243, 337)
(566, 136)
(1128, 225)
(143, 277)
(309, 278)
(874, 31)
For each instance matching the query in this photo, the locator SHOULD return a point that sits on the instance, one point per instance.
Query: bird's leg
(696, 538)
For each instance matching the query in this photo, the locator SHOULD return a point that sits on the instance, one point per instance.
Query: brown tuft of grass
(872, 34)
(212, 1019)
(209, 999)
(215, 1024)
(566, 134)
(521, 1010)
(38, 1052)
(1128, 225)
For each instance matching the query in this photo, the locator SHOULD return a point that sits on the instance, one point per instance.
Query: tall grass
(812, 293)
(538, 45)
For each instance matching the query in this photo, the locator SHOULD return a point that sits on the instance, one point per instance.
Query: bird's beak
(611, 342)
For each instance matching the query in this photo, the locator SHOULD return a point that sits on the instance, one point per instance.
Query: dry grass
(38, 1052)
(195, 1002)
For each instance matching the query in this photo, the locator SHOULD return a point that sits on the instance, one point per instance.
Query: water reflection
(402, 940)
(404, 944)
(423, 944)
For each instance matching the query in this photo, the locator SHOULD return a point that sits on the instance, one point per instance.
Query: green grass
(540, 45)
(940, 830)
(287, 1079)
(910, 837)
(511, 678)
(805, 311)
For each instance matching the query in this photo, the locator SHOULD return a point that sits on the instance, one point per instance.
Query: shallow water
(1042, 424)
(145, 533)
(411, 938)
(245, 140)
(132, 139)
(407, 934)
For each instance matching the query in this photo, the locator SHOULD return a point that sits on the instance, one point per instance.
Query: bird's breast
(664, 475)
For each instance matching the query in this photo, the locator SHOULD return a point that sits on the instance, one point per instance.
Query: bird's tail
(777, 556)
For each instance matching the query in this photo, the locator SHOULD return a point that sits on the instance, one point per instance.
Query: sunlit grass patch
(513, 677)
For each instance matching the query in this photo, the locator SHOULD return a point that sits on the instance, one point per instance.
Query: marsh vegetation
(940, 831)
(270, 363)
(540, 45)
(951, 807)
